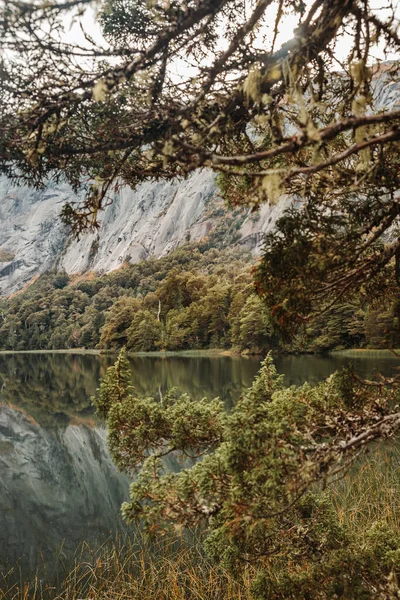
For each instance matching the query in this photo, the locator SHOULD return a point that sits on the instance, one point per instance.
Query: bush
(256, 490)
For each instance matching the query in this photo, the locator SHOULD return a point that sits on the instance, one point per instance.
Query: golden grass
(170, 569)
(136, 570)
(370, 492)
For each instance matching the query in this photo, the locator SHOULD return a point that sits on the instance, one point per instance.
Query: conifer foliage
(256, 487)
(179, 85)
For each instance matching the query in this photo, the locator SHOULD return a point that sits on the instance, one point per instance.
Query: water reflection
(200, 377)
(50, 387)
(59, 486)
(53, 388)
(312, 368)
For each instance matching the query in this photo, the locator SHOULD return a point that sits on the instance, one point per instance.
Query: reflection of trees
(222, 376)
(315, 368)
(51, 387)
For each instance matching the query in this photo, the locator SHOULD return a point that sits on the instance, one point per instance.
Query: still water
(58, 484)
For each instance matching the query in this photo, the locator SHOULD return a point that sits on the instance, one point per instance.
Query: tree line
(194, 298)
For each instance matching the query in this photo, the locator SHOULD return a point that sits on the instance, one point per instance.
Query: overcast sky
(74, 34)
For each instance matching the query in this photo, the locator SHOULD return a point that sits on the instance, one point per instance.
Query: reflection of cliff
(58, 482)
(51, 387)
(58, 488)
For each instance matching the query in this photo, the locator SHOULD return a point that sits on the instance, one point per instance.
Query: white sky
(74, 34)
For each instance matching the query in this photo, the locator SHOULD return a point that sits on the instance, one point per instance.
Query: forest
(197, 297)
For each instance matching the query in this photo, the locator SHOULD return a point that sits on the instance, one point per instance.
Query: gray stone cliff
(149, 221)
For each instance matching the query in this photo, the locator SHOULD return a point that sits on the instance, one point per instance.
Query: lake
(58, 484)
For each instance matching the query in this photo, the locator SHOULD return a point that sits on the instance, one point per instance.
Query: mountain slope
(149, 221)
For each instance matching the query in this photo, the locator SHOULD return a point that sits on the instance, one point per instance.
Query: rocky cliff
(149, 221)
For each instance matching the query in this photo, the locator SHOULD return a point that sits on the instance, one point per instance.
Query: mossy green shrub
(258, 490)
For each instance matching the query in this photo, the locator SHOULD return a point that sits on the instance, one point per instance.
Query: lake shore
(157, 353)
(215, 352)
(66, 351)
(367, 353)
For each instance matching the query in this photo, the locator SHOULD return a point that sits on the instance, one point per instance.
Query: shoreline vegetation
(137, 567)
(232, 352)
(281, 486)
(175, 567)
(96, 351)
(194, 302)
(194, 299)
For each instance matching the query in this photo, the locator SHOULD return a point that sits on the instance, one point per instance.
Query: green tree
(340, 328)
(103, 308)
(255, 328)
(296, 118)
(382, 325)
(119, 318)
(255, 491)
(144, 333)
(61, 280)
(172, 292)
(182, 329)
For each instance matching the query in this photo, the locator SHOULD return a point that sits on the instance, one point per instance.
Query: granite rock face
(31, 233)
(149, 221)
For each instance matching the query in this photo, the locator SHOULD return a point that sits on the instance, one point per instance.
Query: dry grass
(6, 256)
(136, 570)
(370, 492)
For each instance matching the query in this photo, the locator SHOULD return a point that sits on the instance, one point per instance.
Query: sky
(88, 23)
